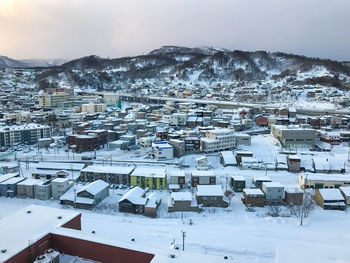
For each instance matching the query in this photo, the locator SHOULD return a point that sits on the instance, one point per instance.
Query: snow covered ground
(233, 232)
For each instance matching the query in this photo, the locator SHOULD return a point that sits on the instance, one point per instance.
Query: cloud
(113, 28)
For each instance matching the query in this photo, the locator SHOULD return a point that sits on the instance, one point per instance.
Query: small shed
(237, 183)
(293, 196)
(330, 199)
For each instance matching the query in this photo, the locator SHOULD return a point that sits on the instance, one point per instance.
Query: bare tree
(274, 211)
(228, 194)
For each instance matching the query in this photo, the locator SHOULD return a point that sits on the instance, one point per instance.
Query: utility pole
(183, 239)
(75, 198)
(303, 204)
(226, 183)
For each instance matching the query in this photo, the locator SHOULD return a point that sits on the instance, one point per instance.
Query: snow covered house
(253, 197)
(227, 158)
(87, 196)
(250, 163)
(274, 193)
(202, 177)
(182, 202)
(345, 191)
(133, 201)
(8, 188)
(293, 196)
(332, 138)
(202, 162)
(243, 139)
(210, 195)
(330, 199)
(177, 179)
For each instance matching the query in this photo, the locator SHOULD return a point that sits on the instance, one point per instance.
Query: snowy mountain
(190, 66)
(6, 62)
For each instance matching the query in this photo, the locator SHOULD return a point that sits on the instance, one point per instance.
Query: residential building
(218, 140)
(151, 177)
(293, 196)
(227, 158)
(182, 202)
(43, 190)
(210, 195)
(177, 180)
(8, 188)
(243, 139)
(178, 147)
(253, 197)
(22, 134)
(163, 151)
(202, 177)
(274, 193)
(110, 174)
(92, 107)
(87, 196)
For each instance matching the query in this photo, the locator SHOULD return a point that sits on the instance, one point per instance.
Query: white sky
(115, 28)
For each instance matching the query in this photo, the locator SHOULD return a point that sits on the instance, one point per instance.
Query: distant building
(293, 136)
(274, 193)
(253, 197)
(210, 195)
(218, 140)
(109, 174)
(202, 177)
(151, 177)
(24, 134)
(163, 150)
(92, 107)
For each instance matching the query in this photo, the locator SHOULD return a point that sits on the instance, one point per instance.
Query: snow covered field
(233, 232)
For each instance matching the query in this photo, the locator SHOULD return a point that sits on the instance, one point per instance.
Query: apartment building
(218, 140)
(92, 107)
(24, 134)
(57, 99)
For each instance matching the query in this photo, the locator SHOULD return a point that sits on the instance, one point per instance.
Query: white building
(92, 107)
(218, 140)
(163, 150)
(59, 187)
(178, 119)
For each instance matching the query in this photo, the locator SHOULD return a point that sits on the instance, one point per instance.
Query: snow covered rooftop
(238, 177)
(5, 177)
(253, 192)
(181, 196)
(94, 187)
(13, 180)
(60, 166)
(148, 171)
(228, 157)
(272, 184)
(209, 190)
(23, 225)
(109, 169)
(135, 196)
(345, 190)
(29, 181)
(331, 194)
(202, 173)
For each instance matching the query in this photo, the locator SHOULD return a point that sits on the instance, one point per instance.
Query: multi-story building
(163, 150)
(151, 177)
(24, 134)
(218, 140)
(294, 136)
(109, 174)
(57, 99)
(92, 107)
(178, 119)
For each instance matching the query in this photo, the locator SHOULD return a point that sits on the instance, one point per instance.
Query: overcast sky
(114, 28)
